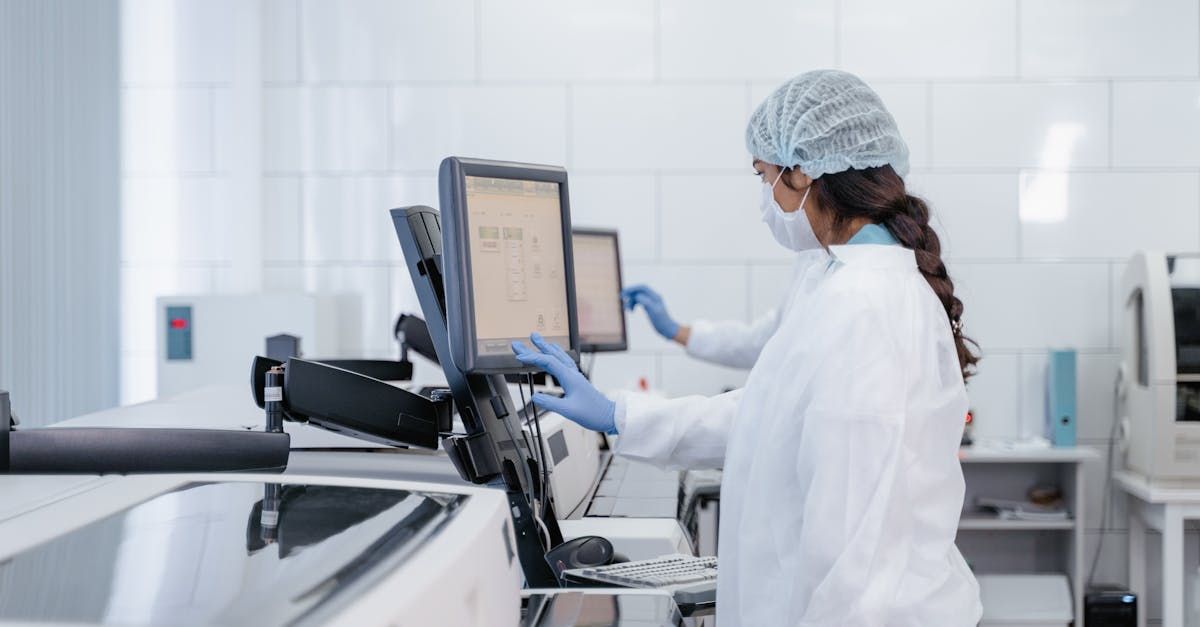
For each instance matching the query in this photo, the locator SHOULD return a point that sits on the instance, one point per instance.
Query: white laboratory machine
(254, 549)
(210, 338)
(506, 270)
(1160, 366)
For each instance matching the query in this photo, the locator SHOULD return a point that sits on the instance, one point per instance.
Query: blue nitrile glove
(581, 401)
(655, 309)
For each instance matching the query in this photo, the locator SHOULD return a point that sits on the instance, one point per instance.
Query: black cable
(1108, 472)
(537, 453)
(524, 465)
(537, 425)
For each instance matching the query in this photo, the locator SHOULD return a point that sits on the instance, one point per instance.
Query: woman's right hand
(655, 309)
(581, 401)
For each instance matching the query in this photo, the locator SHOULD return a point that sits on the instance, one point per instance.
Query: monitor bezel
(612, 347)
(459, 286)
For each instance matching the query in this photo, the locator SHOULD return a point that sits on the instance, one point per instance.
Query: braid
(878, 194)
(910, 225)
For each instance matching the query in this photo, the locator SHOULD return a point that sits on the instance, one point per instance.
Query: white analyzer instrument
(1160, 366)
(206, 339)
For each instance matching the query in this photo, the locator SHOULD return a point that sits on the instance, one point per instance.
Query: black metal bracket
(338, 399)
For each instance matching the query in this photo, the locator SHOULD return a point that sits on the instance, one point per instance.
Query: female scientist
(842, 486)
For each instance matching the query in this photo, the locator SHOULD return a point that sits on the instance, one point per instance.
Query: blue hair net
(823, 122)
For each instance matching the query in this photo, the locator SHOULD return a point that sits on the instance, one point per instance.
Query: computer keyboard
(693, 580)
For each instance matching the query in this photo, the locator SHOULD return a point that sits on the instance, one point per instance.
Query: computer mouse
(581, 552)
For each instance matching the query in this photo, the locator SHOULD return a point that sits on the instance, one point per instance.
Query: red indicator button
(178, 323)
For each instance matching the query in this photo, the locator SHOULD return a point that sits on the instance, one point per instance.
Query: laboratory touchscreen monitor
(508, 260)
(598, 290)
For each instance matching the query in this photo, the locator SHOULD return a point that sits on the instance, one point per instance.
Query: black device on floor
(1110, 606)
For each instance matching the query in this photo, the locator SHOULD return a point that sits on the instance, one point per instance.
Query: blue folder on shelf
(1061, 398)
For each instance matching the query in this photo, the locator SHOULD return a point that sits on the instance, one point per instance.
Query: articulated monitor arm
(330, 396)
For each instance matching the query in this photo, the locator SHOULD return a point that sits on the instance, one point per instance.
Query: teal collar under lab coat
(873, 234)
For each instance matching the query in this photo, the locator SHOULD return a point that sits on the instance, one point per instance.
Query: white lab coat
(737, 344)
(842, 486)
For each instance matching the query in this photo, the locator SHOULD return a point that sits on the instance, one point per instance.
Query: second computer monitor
(508, 260)
(598, 291)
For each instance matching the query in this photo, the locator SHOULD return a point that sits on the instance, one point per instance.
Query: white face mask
(791, 230)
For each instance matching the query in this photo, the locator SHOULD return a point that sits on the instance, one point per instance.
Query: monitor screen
(518, 268)
(507, 258)
(598, 291)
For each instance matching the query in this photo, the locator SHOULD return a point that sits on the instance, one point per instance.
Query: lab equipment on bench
(508, 261)
(504, 271)
(502, 268)
(692, 580)
(254, 549)
(206, 339)
(1159, 388)
(333, 397)
(598, 290)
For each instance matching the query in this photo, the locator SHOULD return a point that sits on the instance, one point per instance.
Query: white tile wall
(1051, 138)
(1036, 125)
(628, 203)
(197, 34)
(1106, 39)
(189, 217)
(1108, 214)
(717, 292)
(281, 215)
(973, 213)
(551, 40)
(1033, 306)
(676, 127)
(281, 31)
(381, 40)
(773, 39)
(167, 130)
(929, 39)
(325, 129)
(1156, 124)
(994, 394)
(346, 219)
(514, 123)
(713, 218)
(370, 302)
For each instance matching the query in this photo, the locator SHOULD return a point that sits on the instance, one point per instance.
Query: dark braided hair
(879, 195)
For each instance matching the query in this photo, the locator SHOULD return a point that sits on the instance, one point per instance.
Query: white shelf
(977, 522)
(1000, 455)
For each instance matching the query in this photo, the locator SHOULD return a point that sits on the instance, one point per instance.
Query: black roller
(5, 425)
(127, 451)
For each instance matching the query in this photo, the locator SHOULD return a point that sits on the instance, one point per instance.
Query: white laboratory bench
(1165, 508)
(1024, 545)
